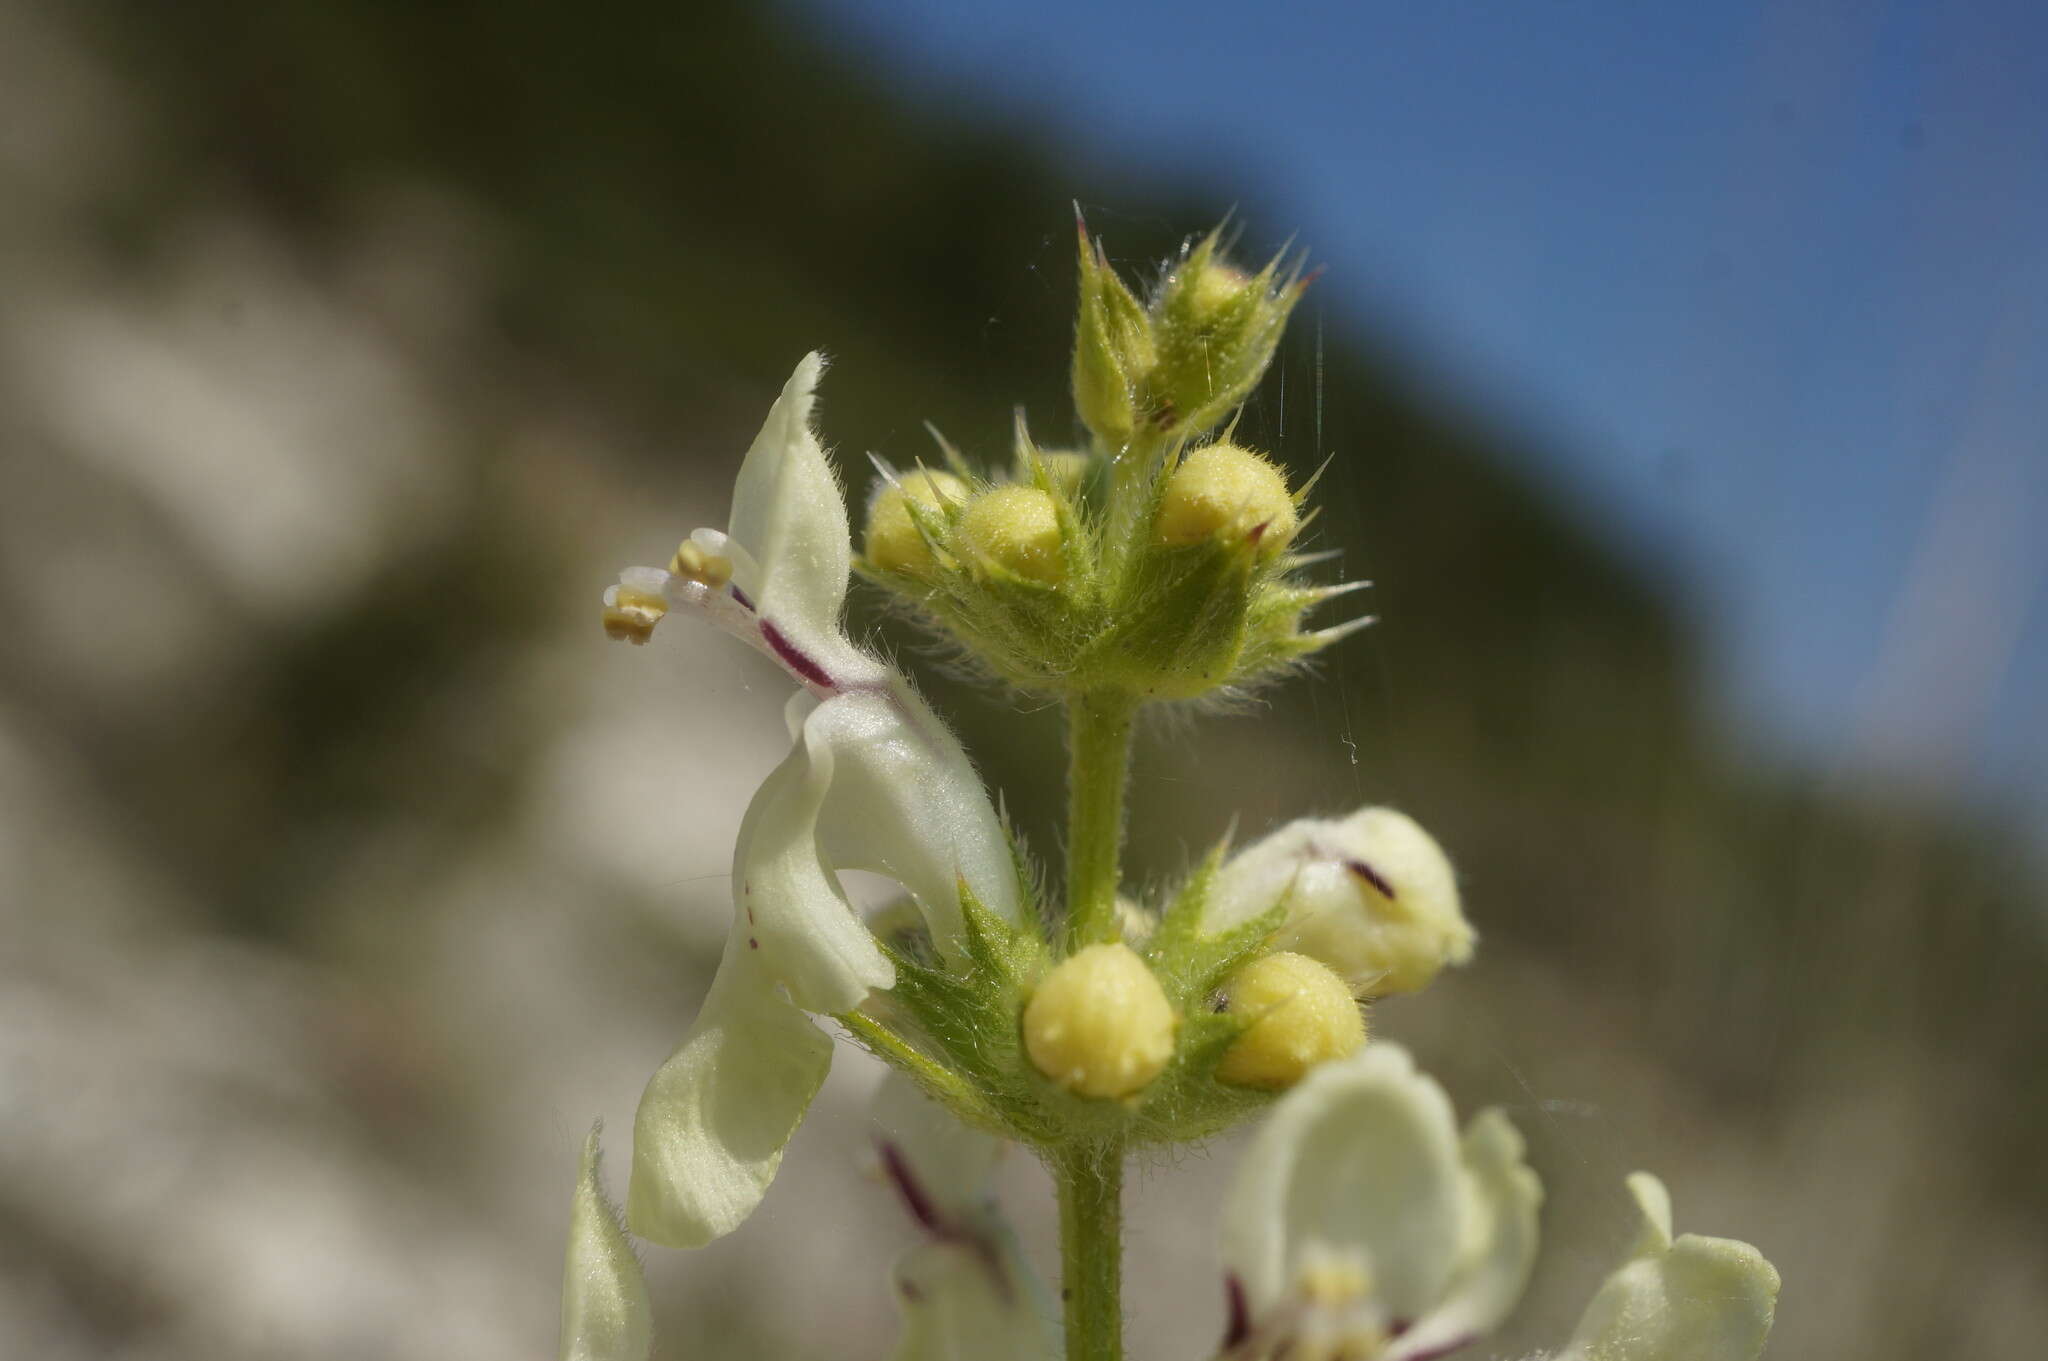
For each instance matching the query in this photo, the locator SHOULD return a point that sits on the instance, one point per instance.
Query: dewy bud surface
(894, 542)
(1302, 1014)
(1017, 529)
(1225, 491)
(1099, 1024)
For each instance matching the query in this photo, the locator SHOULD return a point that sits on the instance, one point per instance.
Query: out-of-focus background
(1682, 376)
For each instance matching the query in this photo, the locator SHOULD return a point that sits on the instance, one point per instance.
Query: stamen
(1333, 1281)
(700, 580)
(692, 562)
(631, 614)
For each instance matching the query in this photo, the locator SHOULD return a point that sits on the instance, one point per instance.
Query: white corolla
(874, 781)
(1363, 1227)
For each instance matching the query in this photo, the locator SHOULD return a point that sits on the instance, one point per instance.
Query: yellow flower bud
(1226, 492)
(893, 541)
(1017, 528)
(1099, 1024)
(1068, 469)
(1301, 1013)
(1214, 287)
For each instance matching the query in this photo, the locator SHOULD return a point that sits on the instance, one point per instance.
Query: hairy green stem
(1091, 1186)
(1099, 758)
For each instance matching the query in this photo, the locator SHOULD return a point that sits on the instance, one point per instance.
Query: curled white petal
(793, 914)
(1684, 1299)
(714, 1119)
(1499, 1247)
(1361, 1158)
(605, 1313)
(906, 802)
(875, 782)
(790, 519)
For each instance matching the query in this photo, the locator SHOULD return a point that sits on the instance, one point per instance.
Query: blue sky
(1769, 283)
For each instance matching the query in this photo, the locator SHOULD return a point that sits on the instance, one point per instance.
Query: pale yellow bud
(1099, 1024)
(1069, 470)
(1301, 1014)
(1222, 491)
(1213, 288)
(894, 543)
(1017, 528)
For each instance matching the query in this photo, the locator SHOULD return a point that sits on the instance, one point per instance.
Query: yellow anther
(631, 615)
(1222, 491)
(894, 542)
(1099, 1024)
(1332, 1280)
(1301, 1014)
(1017, 528)
(695, 564)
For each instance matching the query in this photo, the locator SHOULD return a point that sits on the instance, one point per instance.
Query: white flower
(875, 781)
(966, 1292)
(1689, 1299)
(605, 1314)
(1361, 1226)
(1371, 895)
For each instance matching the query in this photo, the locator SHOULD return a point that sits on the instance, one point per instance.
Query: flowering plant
(1159, 565)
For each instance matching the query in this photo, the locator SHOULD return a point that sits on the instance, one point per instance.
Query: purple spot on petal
(793, 659)
(753, 944)
(1371, 876)
(907, 1185)
(740, 595)
(1239, 1323)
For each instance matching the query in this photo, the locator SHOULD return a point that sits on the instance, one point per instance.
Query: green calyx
(1174, 366)
(958, 1027)
(1034, 583)
(1155, 564)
